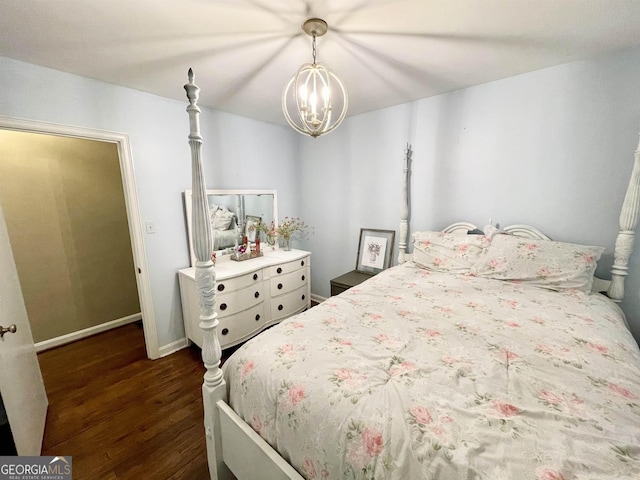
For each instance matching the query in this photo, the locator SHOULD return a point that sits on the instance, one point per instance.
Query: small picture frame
(251, 223)
(375, 250)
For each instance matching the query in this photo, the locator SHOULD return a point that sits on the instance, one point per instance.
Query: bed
(488, 356)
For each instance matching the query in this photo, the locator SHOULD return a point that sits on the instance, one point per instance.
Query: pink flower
(426, 243)
(493, 263)
(445, 310)
(544, 272)
(421, 415)
(381, 337)
(372, 441)
(549, 397)
(509, 354)
(375, 316)
(345, 342)
(505, 409)
(462, 248)
(401, 369)
(286, 348)
(298, 325)
(256, 423)
(549, 474)
(513, 324)
(622, 391)
(438, 261)
(432, 333)
(342, 373)
(449, 360)
(531, 246)
(309, 468)
(296, 394)
(588, 258)
(512, 303)
(247, 367)
(598, 347)
(544, 349)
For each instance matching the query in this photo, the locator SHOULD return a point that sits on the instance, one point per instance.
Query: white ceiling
(244, 51)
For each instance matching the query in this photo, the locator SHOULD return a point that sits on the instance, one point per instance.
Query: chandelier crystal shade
(315, 100)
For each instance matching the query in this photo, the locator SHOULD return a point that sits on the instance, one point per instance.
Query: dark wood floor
(122, 416)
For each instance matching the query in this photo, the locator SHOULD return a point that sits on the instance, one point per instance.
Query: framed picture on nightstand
(375, 250)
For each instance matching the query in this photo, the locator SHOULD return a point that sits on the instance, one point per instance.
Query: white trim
(87, 332)
(131, 203)
(173, 347)
(317, 298)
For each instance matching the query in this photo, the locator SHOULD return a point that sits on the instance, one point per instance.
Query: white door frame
(131, 203)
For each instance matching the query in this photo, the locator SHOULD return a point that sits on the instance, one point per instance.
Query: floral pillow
(448, 252)
(542, 263)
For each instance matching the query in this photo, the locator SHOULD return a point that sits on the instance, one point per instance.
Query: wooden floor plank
(122, 416)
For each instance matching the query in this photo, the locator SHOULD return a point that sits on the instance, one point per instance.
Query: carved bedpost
(624, 242)
(404, 210)
(213, 388)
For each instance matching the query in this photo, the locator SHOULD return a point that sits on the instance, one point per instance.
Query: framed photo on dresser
(375, 250)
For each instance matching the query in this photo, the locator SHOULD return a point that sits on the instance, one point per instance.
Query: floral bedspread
(419, 375)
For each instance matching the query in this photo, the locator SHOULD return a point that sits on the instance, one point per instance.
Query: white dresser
(250, 295)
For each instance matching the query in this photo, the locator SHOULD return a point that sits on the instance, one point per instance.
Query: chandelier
(312, 94)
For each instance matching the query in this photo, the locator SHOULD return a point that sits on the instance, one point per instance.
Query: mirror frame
(188, 205)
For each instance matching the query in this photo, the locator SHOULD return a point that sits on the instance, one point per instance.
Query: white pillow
(221, 217)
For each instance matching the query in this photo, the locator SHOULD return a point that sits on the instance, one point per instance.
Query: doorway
(131, 204)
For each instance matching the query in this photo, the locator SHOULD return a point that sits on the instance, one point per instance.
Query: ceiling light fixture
(312, 94)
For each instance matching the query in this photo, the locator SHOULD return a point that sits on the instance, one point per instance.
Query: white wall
(552, 148)
(247, 154)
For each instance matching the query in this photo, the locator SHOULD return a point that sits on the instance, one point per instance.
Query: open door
(21, 384)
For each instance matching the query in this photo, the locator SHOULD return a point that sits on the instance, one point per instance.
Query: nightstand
(348, 280)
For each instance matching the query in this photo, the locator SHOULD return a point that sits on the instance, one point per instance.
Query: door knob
(10, 329)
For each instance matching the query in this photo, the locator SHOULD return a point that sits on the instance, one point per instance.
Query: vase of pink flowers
(287, 228)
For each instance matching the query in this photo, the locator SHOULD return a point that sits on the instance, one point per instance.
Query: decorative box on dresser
(250, 295)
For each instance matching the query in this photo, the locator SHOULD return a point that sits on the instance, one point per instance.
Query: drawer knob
(302, 263)
(220, 287)
(304, 296)
(224, 331)
(303, 277)
(257, 317)
(255, 276)
(257, 294)
(223, 306)
(279, 286)
(280, 307)
(279, 270)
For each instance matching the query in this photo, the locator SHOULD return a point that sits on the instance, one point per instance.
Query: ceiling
(243, 52)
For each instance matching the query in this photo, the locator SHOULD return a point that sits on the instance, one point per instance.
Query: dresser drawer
(288, 282)
(235, 328)
(236, 283)
(233, 302)
(289, 303)
(288, 267)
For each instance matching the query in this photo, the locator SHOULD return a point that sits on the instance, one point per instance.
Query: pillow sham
(221, 217)
(543, 263)
(447, 252)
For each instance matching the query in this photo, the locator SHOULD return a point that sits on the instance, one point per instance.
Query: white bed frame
(232, 445)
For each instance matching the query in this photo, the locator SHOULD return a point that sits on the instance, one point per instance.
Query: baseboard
(317, 298)
(87, 332)
(173, 347)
